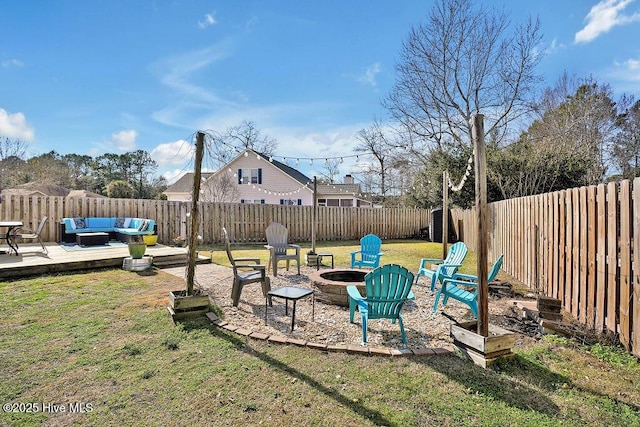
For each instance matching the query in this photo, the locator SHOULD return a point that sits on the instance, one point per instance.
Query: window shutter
(239, 176)
(259, 175)
(262, 201)
(299, 202)
(282, 201)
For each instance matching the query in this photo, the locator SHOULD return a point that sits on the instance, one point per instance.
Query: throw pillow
(144, 225)
(80, 222)
(119, 223)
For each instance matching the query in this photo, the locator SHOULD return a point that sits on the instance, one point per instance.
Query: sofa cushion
(69, 224)
(99, 223)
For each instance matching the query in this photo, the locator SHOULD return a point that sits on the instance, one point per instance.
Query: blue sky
(90, 77)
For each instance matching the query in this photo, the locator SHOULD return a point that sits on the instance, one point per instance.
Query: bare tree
(626, 147)
(566, 146)
(223, 147)
(374, 141)
(331, 170)
(464, 60)
(10, 147)
(220, 188)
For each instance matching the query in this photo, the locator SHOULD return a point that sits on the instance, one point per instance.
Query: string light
(467, 172)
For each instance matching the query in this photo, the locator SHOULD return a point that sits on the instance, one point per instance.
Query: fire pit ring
(331, 285)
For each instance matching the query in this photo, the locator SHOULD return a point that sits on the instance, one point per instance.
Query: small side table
(294, 294)
(319, 260)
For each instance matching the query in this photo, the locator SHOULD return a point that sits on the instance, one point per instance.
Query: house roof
(351, 189)
(38, 187)
(293, 173)
(185, 183)
(84, 193)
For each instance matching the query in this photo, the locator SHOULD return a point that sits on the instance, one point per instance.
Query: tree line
(128, 175)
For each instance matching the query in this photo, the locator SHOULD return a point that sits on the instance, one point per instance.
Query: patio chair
(246, 271)
(457, 287)
(454, 259)
(279, 248)
(29, 234)
(369, 253)
(387, 289)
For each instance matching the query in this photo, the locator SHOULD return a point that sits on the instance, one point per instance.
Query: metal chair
(279, 248)
(29, 234)
(244, 272)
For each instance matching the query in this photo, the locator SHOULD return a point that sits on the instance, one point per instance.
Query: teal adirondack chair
(454, 288)
(454, 259)
(387, 289)
(369, 252)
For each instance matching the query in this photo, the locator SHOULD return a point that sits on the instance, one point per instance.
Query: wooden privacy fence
(580, 245)
(245, 222)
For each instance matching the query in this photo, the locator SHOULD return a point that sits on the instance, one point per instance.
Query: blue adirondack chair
(455, 288)
(369, 252)
(387, 289)
(454, 259)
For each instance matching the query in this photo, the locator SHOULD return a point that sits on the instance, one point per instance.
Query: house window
(255, 202)
(346, 202)
(290, 202)
(333, 202)
(322, 202)
(250, 176)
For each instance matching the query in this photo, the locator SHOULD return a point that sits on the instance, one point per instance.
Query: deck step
(177, 261)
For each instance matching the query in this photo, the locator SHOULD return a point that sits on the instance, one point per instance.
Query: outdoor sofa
(119, 228)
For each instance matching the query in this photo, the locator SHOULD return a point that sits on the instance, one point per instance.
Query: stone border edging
(351, 349)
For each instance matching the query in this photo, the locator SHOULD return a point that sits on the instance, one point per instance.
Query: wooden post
(314, 214)
(481, 206)
(445, 212)
(195, 196)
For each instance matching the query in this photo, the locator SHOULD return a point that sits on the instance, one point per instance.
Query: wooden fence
(578, 245)
(245, 222)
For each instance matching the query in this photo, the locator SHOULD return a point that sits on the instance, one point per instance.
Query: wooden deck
(31, 261)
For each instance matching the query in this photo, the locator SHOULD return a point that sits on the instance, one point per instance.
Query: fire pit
(331, 285)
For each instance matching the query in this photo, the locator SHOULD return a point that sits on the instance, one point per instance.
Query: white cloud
(627, 74)
(209, 19)
(15, 126)
(174, 175)
(603, 17)
(12, 63)
(175, 153)
(125, 140)
(369, 76)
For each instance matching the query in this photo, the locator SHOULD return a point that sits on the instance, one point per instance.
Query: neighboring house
(263, 180)
(257, 178)
(84, 193)
(36, 189)
(182, 189)
(346, 194)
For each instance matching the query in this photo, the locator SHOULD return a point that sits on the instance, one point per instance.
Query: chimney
(348, 179)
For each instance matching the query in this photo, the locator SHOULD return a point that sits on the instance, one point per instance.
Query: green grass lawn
(404, 252)
(104, 340)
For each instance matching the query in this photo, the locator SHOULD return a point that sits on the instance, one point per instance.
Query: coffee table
(90, 239)
(294, 294)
